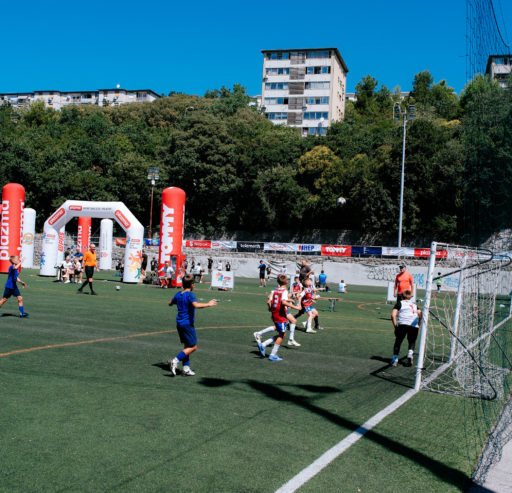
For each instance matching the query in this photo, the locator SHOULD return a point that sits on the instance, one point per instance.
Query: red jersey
(277, 308)
(308, 295)
(296, 287)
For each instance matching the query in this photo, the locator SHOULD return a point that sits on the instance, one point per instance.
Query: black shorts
(89, 271)
(407, 330)
(8, 292)
(262, 275)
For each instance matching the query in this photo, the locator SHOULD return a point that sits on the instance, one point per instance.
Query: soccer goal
(465, 344)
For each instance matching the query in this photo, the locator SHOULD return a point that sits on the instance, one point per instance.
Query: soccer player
(262, 267)
(296, 288)
(307, 298)
(277, 304)
(11, 288)
(439, 282)
(292, 322)
(403, 281)
(89, 263)
(187, 303)
(406, 317)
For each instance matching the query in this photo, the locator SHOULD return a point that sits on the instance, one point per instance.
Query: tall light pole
(153, 176)
(397, 112)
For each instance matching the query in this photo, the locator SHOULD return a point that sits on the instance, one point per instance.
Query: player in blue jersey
(186, 302)
(11, 287)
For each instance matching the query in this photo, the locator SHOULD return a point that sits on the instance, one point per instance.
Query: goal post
(459, 352)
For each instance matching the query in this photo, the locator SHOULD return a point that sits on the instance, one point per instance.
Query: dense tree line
(241, 172)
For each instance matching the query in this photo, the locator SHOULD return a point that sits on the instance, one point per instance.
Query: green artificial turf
(88, 402)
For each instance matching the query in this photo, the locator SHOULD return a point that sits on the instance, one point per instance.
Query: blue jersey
(186, 311)
(322, 278)
(12, 277)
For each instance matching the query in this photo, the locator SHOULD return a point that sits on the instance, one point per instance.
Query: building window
(319, 100)
(276, 85)
(276, 100)
(315, 115)
(278, 71)
(318, 70)
(318, 85)
(278, 56)
(318, 54)
(317, 131)
(280, 115)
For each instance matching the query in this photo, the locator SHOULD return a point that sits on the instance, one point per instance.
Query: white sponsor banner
(29, 233)
(398, 252)
(223, 279)
(292, 247)
(223, 245)
(106, 228)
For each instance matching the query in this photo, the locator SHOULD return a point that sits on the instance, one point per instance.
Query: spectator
(263, 268)
(79, 256)
(154, 266)
(228, 266)
(342, 287)
(210, 265)
(305, 272)
(197, 272)
(322, 281)
(143, 266)
(219, 265)
(165, 275)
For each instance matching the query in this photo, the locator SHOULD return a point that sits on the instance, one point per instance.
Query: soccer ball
(341, 201)
(118, 288)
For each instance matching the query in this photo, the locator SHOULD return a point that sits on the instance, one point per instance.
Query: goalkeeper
(406, 318)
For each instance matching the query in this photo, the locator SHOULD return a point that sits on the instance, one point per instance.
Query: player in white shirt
(406, 319)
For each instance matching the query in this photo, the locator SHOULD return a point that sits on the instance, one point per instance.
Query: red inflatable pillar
(84, 234)
(11, 228)
(172, 217)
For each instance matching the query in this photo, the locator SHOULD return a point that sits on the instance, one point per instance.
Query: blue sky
(196, 45)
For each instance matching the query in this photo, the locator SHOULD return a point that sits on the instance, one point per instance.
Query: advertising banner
(29, 233)
(223, 245)
(223, 279)
(152, 242)
(425, 252)
(121, 241)
(172, 216)
(11, 231)
(303, 249)
(198, 244)
(398, 252)
(359, 250)
(337, 250)
(249, 246)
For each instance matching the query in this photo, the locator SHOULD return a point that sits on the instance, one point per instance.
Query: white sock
(268, 329)
(410, 353)
(268, 342)
(308, 324)
(292, 332)
(274, 350)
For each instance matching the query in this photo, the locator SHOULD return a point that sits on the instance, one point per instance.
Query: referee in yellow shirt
(88, 264)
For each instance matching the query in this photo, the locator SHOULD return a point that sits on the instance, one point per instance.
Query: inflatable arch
(104, 210)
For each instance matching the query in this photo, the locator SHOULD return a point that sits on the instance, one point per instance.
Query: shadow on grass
(279, 393)
(393, 374)
(9, 315)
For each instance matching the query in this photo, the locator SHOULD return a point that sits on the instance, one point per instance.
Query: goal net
(465, 339)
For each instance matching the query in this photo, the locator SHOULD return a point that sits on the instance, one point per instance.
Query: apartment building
(100, 97)
(499, 68)
(304, 88)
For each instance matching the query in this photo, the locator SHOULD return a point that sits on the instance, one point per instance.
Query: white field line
(325, 459)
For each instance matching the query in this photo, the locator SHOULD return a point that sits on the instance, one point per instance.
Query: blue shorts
(8, 292)
(307, 309)
(280, 327)
(187, 334)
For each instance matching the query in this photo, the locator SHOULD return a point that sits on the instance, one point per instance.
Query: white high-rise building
(304, 88)
(499, 67)
(100, 97)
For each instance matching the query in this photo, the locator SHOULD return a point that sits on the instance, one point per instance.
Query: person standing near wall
(89, 263)
(403, 281)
